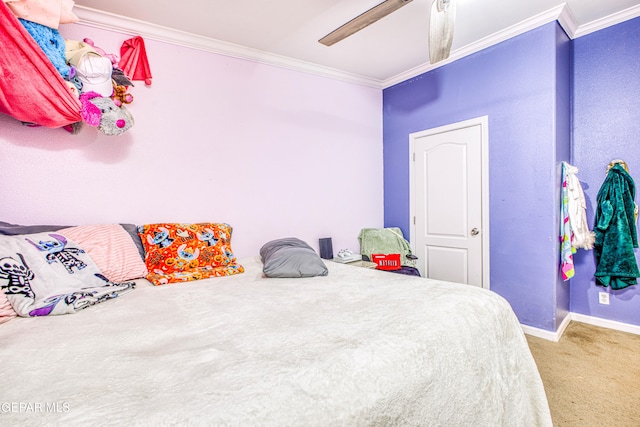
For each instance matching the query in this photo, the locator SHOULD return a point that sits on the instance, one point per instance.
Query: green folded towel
(385, 241)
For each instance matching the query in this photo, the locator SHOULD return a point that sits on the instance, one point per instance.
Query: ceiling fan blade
(441, 24)
(361, 21)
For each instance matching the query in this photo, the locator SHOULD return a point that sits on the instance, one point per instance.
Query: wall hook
(622, 163)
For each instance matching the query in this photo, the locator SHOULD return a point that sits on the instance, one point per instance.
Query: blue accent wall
(523, 86)
(564, 69)
(606, 126)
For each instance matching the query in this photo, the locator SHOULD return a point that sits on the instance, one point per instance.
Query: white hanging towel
(577, 206)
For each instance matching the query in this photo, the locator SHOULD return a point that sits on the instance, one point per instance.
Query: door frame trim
(483, 121)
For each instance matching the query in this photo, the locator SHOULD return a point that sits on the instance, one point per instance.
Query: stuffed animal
(51, 43)
(120, 95)
(103, 113)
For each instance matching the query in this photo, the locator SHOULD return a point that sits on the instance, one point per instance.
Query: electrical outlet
(603, 298)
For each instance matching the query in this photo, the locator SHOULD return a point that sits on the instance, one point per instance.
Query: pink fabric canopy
(31, 89)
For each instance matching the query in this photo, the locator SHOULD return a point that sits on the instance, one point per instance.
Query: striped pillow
(111, 248)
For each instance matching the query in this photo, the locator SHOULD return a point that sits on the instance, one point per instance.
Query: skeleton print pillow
(46, 273)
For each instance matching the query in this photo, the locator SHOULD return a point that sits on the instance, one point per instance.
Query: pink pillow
(6, 310)
(47, 13)
(111, 248)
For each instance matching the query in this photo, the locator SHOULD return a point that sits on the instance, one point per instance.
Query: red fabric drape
(31, 89)
(134, 62)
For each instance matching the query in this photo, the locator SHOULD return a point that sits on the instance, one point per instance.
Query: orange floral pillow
(185, 252)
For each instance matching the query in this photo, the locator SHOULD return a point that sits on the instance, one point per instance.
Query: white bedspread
(355, 348)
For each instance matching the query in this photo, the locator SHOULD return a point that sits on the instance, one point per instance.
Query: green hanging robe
(616, 232)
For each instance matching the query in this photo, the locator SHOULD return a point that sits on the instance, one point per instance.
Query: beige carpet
(591, 376)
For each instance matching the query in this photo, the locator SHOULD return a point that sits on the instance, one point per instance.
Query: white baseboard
(605, 323)
(548, 335)
(577, 317)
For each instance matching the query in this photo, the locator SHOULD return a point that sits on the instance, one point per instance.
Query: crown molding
(608, 21)
(567, 21)
(121, 24)
(491, 40)
(107, 21)
(561, 13)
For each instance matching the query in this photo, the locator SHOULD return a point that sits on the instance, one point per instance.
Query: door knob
(475, 232)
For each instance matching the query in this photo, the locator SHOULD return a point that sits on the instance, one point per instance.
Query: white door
(449, 230)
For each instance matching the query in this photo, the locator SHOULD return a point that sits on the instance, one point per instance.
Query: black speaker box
(326, 248)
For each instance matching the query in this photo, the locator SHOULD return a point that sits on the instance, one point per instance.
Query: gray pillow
(291, 257)
(8, 229)
(132, 229)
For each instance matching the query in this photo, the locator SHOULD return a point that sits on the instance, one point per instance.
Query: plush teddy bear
(120, 95)
(103, 113)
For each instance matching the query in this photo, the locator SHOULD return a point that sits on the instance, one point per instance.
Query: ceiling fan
(442, 14)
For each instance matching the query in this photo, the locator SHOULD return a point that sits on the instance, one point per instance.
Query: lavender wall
(271, 151)
(606, 126)
(517, 84)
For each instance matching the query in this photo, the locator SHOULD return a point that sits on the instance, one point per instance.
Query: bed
(356, 347)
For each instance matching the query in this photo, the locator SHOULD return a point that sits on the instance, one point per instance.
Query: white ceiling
(286, 32)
